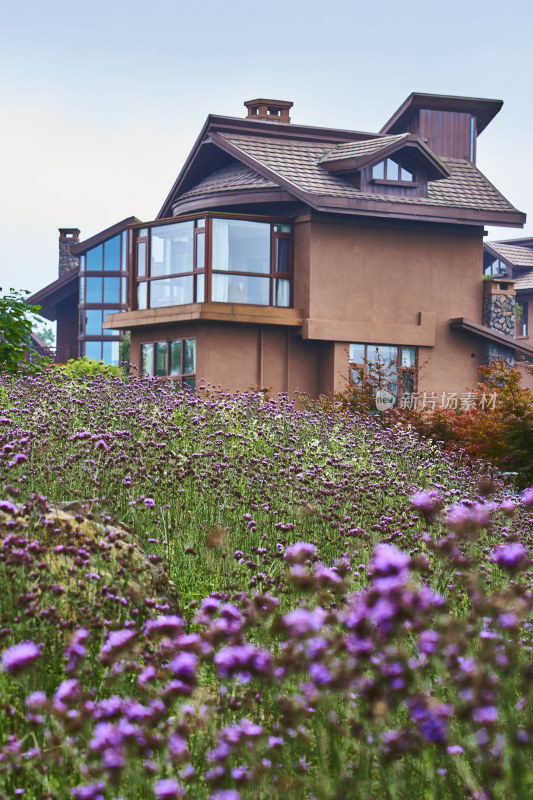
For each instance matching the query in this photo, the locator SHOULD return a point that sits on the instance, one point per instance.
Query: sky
(101, 101)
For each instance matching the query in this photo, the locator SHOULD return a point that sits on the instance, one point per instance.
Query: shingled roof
(524, 281)
(229, 179)
(297, 163)
(517, 256)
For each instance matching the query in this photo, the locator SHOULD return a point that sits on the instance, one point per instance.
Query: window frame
(412, 182)
(184, 378)
(400, 371)
(206, 269)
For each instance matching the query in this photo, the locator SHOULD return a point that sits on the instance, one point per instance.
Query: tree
(16, 323)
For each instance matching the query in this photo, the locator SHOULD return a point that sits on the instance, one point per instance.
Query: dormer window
(390, 170)
(496, 267)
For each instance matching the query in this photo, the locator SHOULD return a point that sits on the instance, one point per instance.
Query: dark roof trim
(236, 197)
(98, 238)
(483, 110)
(474, 328)
(351, 164)
(214, 124)
(52, 294)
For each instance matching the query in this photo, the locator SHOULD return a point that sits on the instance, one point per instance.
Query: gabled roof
(354, 156)
(294, 158)
(516, 256)
(483, 110)
(524, 282)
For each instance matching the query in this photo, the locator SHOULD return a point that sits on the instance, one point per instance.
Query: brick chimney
(68, 261)
(269, 110)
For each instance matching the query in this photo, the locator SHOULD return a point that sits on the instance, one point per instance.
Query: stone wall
(499, 314)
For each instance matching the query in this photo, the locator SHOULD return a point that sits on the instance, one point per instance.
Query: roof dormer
(400, 164)
(448, 124)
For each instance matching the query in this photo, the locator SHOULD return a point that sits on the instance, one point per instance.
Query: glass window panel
(93, 322)
(241, 246)
(111, 352)
(175, 358)
(142, 295)
(94, 258)
(172, 249)
(200, 250)
(82, 317)
(82, 263)
(240, 289)
(94, 290)
(161, 358)
(111, 331)
(282, 228)
(124, 266)
(392, 170)
(408, 381)
(200, 223)
(147, 359)
(282, 292)
(141, 259)
(111, 290)
(190, 383)
(112, 254)
(384, 353)
(171, 292)
(124, 292)
(189, 356)
(93, 350)
(378, 170)
(282, 255)
(200, 287)
(357, 353)
(406, 175)
(408, 356)
(142, 232)
(82, 290)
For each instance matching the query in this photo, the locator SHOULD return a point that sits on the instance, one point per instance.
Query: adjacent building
(284, 252)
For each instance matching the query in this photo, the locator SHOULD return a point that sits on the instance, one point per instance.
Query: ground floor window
(171, 359)
(386, 366)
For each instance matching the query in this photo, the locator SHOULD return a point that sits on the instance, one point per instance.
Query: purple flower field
(226, 597)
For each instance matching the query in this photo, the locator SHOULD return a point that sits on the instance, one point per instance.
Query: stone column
(499, 314)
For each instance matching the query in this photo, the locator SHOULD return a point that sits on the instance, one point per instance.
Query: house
(511, 261)
(283, 252)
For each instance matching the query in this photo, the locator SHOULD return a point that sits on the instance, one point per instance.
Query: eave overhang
(483, 332)
(108, 233)
(48, 297)
(209, 201)
(484, 110)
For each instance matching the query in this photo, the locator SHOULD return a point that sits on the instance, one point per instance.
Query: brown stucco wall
(395, 284)
(239, 357)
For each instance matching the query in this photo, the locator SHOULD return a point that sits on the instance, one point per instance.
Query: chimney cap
(69, 233)
(269, 110)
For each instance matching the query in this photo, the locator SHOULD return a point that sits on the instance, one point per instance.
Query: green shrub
(90, 368)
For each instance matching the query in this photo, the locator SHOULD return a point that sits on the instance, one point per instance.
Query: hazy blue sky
(102, 101)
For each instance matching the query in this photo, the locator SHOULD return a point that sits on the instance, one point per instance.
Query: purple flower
(299, 552)
(242, 660)
(163, 625)
(485, 715)
(465, 518)
(116, 642)
(66, 693)
(36, 701)
(427, 503)
(168, 789)
(389, 567)
(225, 794)
(527, 497)
(454, 750)
(428, 641)
(20, 656)
(8, 507)
(177, 747)
(510, 556)
(184, 666)
(91, 791)
(75, 652)
(320, 674)
(302, 621)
